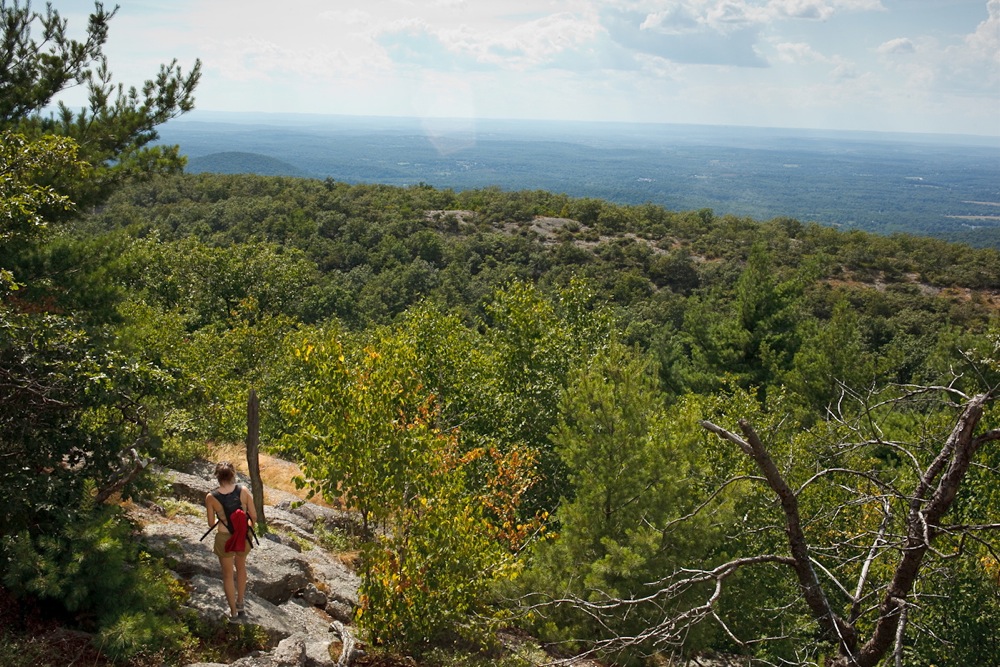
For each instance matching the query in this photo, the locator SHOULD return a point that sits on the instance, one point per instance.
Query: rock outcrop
(295, 589)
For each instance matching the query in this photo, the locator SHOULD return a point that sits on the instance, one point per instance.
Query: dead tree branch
(834, 627)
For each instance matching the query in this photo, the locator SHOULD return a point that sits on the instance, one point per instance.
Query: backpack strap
(222, 517)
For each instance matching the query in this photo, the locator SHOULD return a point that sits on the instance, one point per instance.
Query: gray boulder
(318, 653)
(294, 589)
(339, 582)
(275, 571)
(313, 596)
(349, 522)
(290, 521)
(198, 481)
(295, 651)
(290, 652)
(207, 599)
(178, 543)
(189, 487)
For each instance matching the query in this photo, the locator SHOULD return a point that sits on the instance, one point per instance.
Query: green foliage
(213, 285)
(632, 472)
(453, 370)
(25, 199)
(114, 130)
(356, 420)
(475, 657)
(428, 582)
(963, 632)
(91, 567)
(71, 409)
(73, 417)
(832, 356)
(367, 421)
(219, 642)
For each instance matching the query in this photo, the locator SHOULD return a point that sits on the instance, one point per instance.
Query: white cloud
(973, 64)
(845, 71)
(798, 53)
(516, 46)
(900, 45)
(717, 32)
(984, 43)
(260, 60)
(351, 17)
(804, 9)
(722, 15)
(656, 60)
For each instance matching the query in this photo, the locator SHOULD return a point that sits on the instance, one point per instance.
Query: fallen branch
(348, 652)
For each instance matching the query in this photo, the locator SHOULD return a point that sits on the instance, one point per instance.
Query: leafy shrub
(92, 568)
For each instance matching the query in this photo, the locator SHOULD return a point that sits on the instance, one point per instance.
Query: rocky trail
(301, 595)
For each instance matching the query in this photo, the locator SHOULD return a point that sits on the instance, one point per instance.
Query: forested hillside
(634, 433)
(512, 384)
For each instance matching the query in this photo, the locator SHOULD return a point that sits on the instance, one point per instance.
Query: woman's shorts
(220, 546)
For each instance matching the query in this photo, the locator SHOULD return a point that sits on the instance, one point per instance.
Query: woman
(221, 504)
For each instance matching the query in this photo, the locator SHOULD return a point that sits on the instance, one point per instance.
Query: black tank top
(230, 503)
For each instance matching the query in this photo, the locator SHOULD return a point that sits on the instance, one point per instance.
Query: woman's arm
(248, 505)
(210, 510)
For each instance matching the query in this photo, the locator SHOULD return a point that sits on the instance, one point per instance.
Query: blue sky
(883, 65)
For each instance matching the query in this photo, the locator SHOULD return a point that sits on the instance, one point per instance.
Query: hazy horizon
(458, 125)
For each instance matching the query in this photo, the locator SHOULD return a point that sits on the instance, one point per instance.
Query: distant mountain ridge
(240, 162)
(929, 185)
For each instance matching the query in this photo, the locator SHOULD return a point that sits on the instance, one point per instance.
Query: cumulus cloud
(251, 59)
(680, 40)
(798, 53)
(984, 43)
(900, 45)
(607, 34)
(681, 16)
(845, 71)
(715, 32)
(804, 9)
(523, 45)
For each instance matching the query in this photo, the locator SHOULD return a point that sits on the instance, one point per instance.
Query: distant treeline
(872, 184)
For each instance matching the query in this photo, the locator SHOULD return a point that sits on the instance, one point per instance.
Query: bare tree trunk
(348, 650)
(833, 626)
(925, 498)
(253, 457)
(138, 465)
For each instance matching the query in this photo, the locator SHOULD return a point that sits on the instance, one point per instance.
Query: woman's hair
(225, 472)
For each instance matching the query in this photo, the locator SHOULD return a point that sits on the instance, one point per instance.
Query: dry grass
(276, 473)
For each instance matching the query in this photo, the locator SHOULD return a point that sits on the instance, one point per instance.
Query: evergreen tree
(39, 60)
(73, 424)
(632, 471)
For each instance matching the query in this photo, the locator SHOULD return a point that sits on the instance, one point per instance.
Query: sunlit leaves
(25, 199)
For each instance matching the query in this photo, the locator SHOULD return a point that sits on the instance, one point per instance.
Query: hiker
(231, 508)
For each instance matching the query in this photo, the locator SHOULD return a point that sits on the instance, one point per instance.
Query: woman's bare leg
(228, 584)
(241, 578)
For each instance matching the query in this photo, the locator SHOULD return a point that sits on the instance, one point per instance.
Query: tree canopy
(74, 419)
(618, 427)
